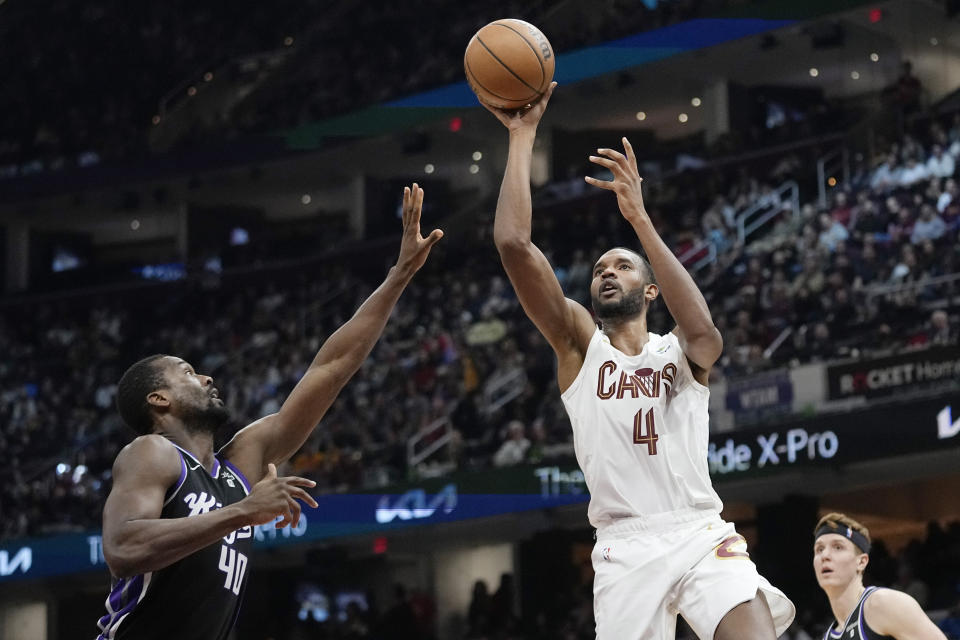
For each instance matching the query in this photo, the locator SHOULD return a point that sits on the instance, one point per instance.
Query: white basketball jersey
(640, 429)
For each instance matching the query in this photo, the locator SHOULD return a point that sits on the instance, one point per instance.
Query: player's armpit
(701, 352)
(894, 613)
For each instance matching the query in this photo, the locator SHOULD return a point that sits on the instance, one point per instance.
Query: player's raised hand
(273, 496)
(626, 181)
(414, 248)
(519, 119)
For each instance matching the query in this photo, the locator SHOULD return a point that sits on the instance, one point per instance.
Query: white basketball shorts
(692, 563)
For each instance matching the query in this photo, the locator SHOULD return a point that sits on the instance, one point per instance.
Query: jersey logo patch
(664, 348)
(606, 552)
(200, 504)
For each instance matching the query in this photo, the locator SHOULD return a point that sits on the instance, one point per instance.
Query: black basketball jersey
(856, 627)
(197, 597)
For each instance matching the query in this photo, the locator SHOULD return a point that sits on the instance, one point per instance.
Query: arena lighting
(832, 181)
(134, 224)
(855, 75)
(682, 117)
(814, 72)
(380, 545)
(874, 57)
(474, 168)
(695, 102)
(288, 41)
(155, 119)
(305, 198)
(477, 156)
(875, 15)
(429, 168)
(192, 91)
(208, 76)
(641, 115)
(456, 123)
(934, 41)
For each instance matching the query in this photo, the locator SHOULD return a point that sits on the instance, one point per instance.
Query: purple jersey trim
(183, 478)
(236, 472)
(216, 463)
(123, 599)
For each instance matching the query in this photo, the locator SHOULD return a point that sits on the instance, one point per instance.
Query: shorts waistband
(654, 523)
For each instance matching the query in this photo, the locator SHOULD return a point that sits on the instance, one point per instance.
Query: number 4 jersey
(198, 596)
(640, 429)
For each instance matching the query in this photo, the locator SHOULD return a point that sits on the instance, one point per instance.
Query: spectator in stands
(939, 332)
(514, 448)
(940, 164)
(842, 211)
(929, 226)
(948, 195)
(887, 175)
(832, 232)
(913, 173)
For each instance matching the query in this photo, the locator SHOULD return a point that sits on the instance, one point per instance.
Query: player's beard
(630, 304)
(206, 419)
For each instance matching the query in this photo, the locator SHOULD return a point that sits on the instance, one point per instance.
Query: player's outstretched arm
(137, 540)
(699, 338)
(564, 323)
(896, 614)
(277, 437)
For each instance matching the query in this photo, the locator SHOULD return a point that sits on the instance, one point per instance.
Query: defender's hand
(523, 119)
(273, 496)
(626, 181)
(414, 248)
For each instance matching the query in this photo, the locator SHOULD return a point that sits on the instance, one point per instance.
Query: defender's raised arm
(278, 436)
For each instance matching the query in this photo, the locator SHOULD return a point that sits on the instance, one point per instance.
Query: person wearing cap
(841, 551)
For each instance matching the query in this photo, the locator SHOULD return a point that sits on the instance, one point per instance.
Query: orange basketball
(509, 64)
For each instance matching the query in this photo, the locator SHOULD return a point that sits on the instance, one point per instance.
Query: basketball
(509, 64)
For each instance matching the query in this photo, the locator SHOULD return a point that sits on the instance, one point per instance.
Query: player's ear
(862, 561)
(650, 292)
(158, 398)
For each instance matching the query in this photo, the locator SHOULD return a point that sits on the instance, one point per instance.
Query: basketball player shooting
(841, 552)
(638, 405)
(178, 522)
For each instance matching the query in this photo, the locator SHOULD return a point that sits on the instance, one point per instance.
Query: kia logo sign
(947, 427)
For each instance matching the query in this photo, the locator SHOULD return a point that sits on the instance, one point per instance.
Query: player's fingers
(297, 481)
(603, 184)
(631, 156)
(500, 115)
(417, 203)
(294, 508)
(547, 94)
(433, 238)
(613, 154)
(271, 470)
(406, 206)
(300, 494)
(287, 517)
(614, 167)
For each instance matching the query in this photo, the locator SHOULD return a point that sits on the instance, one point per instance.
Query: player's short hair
(844, 525)
(139, 381)
(641, 260)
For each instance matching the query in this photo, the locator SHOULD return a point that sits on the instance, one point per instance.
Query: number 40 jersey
(640, 431)
(198, 596)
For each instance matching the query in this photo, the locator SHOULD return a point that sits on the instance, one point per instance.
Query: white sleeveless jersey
(640, 429)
